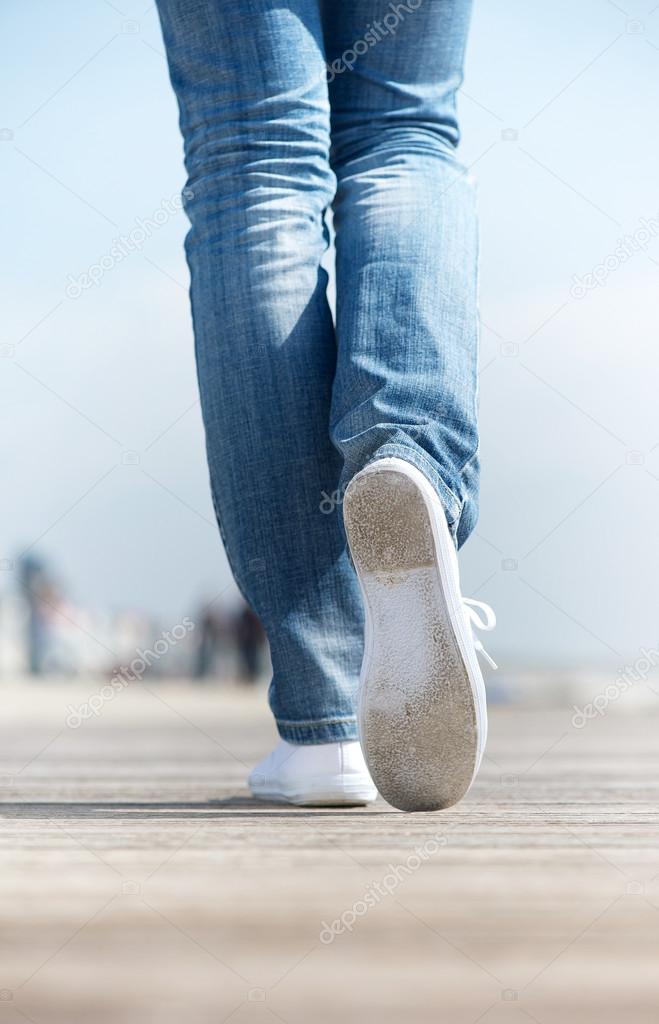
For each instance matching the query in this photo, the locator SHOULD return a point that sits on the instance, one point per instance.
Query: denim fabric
(288, 107)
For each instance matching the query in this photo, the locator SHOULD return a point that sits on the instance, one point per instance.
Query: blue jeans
(288, 108)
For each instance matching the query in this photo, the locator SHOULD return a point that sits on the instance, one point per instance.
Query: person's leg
(404, 400)
(406, 240)
(249, 77)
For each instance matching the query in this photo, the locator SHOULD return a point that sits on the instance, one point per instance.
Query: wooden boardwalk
(140, 884)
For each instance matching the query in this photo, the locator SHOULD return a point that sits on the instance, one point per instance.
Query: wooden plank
(139, 882)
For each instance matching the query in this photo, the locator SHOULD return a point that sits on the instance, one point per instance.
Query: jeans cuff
(451, 504)
(324, 730)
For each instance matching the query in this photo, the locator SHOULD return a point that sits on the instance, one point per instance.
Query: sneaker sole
(422, 705)
(321, 792)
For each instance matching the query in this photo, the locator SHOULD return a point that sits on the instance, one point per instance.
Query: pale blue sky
(90, 143)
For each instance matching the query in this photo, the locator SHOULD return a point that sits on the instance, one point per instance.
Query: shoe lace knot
(480, 616)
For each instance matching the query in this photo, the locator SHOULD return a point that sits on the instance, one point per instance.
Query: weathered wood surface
(139, 883)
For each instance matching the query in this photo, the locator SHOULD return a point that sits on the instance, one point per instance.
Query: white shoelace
(486, 622)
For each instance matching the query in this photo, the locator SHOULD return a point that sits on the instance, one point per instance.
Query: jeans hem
(451, 504)
(330, 730)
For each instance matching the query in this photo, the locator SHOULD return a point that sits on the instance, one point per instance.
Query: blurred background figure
(40, 595)
(210, 634)
(250, 642)
(46, 632)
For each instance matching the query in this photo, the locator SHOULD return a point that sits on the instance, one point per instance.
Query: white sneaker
(422, 705)
(322, 774)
